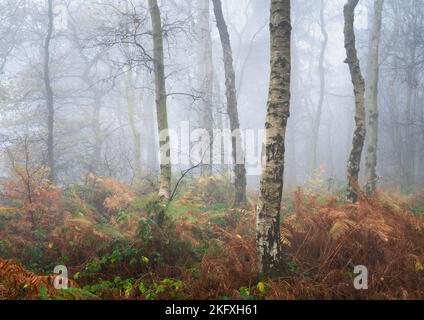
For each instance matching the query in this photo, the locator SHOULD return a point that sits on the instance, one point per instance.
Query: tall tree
(371, 161)
(206, 78)
(412, 29)
(231, 94)
(10, 26)
(131, 108)
(161, 108)
(49, 93)
(359, 91)
(278, 112)
(403, 65)
(321, 70)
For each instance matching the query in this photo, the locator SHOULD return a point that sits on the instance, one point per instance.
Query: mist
(118, 112)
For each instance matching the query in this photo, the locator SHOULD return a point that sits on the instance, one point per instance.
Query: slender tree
(231, 94)
(410, 56)
(49, 93)
(206, 79)
(321, 70)
(131, 108)
(161, 108)
(359, 91)
(97, 132)
(371, 161)
(278, 112)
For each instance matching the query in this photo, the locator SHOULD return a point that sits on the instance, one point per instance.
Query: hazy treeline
(78, 95)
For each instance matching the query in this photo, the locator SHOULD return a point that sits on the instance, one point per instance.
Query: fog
(211, 150)
(102, 79)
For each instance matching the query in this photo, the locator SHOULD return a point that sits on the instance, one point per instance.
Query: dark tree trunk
(359, 90)
(231, 94)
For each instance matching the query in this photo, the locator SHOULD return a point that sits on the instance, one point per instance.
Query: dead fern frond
(3, 292)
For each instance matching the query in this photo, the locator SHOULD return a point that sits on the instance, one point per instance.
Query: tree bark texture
(352, 60)
(161, 108)
(278, 112)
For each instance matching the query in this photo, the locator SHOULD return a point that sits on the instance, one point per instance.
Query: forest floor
(105, 234)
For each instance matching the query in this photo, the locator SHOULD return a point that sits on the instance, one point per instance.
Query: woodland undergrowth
(105, 233)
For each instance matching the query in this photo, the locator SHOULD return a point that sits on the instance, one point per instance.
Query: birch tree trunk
(231, 94)
(371, 160)
(49, 94)
(161, 109)
(278, 112)
(359, 91)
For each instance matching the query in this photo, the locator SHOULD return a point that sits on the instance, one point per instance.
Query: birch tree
(371, 161)
(359, 91)
(278, 112)
(161, 108)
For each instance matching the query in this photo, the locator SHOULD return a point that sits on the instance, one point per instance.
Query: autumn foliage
(104, 232)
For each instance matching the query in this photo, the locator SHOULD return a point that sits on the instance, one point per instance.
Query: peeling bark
(352, 60)
(278, 112)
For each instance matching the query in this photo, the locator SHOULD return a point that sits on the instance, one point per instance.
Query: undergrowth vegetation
(105, 233)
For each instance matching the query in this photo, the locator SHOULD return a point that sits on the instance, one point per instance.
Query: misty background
(103, 86)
